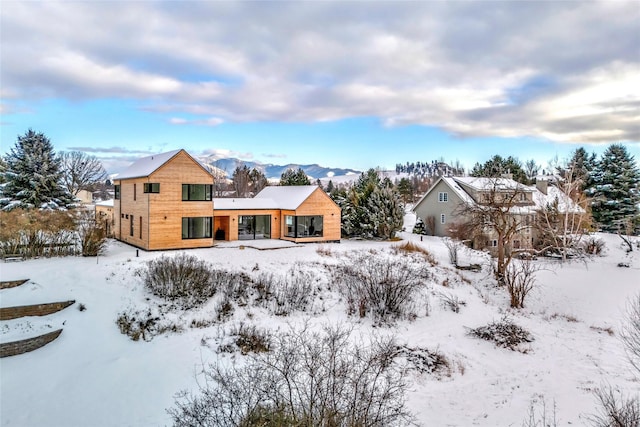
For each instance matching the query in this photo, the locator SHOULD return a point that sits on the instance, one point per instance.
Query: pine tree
(294, 177)
(615, 189)
(579, 168)
(34, 175)
(385, 212)
(497, 167)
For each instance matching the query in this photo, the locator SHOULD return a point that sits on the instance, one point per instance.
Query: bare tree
(80, 171)
(241, 181)
(531, 169)
(564, 221)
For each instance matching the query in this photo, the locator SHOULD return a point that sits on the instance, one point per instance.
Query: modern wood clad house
(165, 202)
(303, 213)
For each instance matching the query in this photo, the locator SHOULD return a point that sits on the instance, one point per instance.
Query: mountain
(274, 171)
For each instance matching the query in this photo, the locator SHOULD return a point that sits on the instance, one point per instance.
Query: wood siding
(162, 212)
(318, 203)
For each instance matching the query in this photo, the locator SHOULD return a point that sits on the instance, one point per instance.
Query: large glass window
(196, 192)
(117, 192)
(304, 226)
(251, 227)
(151, 187)
(196, 228)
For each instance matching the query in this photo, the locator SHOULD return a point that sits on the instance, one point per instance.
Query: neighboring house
(106, 216)
(85, 197)
(440, 209)
(166, 201)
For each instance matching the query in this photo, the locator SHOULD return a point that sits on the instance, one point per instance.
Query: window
(140, 227)
(131, 226)
(494, 243)
(151, 187)
(196, 192)
(134, 191)
(516, 244)
(117, 192)
(443, 197)
(523, 197)
(304, 226)
(196, 228)
(442, 219)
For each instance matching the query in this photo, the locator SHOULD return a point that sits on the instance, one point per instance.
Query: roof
(244, 203)
(483, 183)
(565, 204)
(105, 203)
(288, 197)
(145, 166)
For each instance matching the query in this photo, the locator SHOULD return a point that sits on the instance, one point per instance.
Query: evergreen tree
(371, 208)
(385, 212)
(34, 175)
(615, 189)
(579, 168)
(294, 177)
(497, 167)
(330, 187)
(405, 187)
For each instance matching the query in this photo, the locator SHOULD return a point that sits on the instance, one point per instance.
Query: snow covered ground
(95, 376)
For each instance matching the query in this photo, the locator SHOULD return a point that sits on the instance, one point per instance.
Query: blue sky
(349, 84)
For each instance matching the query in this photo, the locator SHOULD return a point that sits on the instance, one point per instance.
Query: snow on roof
(565, 204)
(244, 203)
(482, 183)
(146, 165)
(105, 203)
(464, 196)
(287, 196)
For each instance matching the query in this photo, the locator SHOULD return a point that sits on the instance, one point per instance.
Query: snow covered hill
(95, 376)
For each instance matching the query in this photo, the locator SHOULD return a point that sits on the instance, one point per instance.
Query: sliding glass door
(254, 227)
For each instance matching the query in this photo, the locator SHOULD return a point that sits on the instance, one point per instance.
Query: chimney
(541, 185)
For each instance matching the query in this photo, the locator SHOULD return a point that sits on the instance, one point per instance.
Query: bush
(282, 295)
(383, 287)
(520, 280)
(184, 279)
(593, 246)
(615, 409)
(631, 332)
(91, 234)
(426, 361)
(451, 302)
(504, 333)
(308, 379)
(145, 324)
(251, 339)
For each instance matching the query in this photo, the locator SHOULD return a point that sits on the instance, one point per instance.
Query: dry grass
(603, 329)
(411, 248)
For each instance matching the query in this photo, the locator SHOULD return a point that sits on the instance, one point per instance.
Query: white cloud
(550, 69)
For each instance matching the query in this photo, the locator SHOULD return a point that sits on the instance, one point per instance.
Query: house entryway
(254, 227)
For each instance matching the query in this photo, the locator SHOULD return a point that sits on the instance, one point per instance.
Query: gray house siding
(431, 206)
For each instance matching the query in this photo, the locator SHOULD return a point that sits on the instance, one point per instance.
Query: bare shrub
(503, 333)
(91, 234)
(143, 324)
(520, 280)
(33, 233)
(593, 246)
(452, 249)
(383, 287)
(186, 280)
(451, 302)
(324, 251)
(284, 294)
(615, 409)
(426, 361)
(308, 379)
(539, 415)
(630, 333)
(251, 339)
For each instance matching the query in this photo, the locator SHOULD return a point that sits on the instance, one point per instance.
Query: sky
(354, 84)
